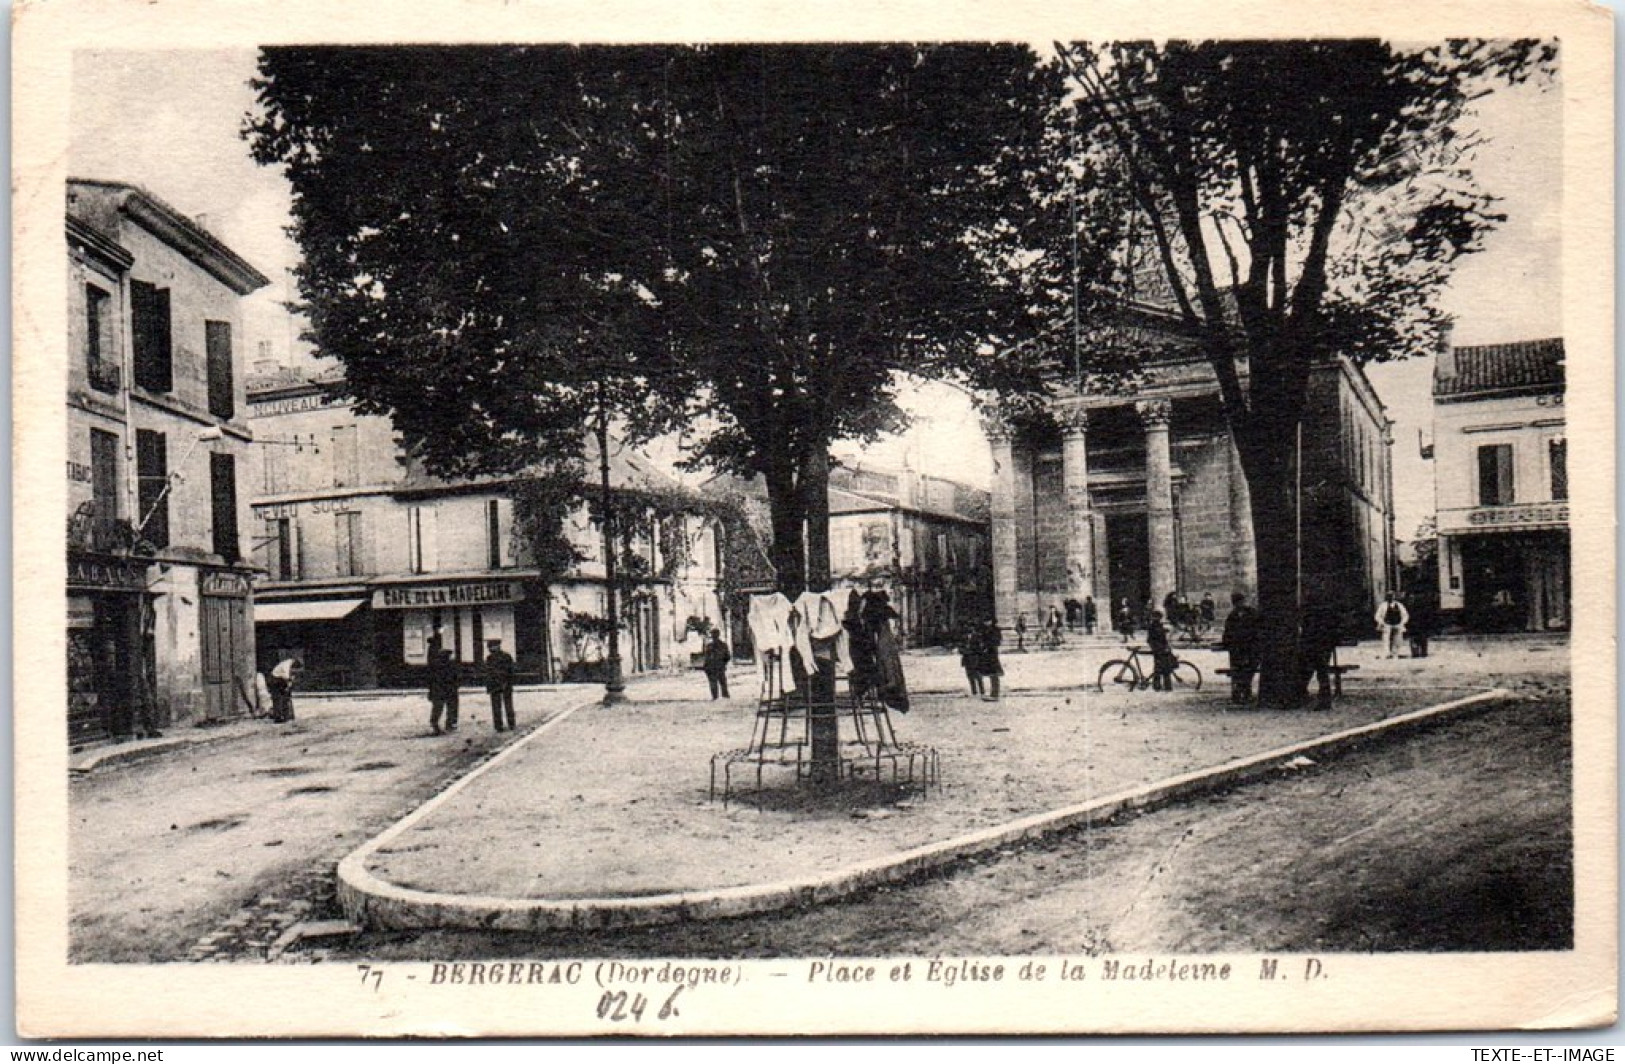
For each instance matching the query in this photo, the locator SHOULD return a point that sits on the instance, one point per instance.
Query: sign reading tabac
(105, 574)
(405, 598)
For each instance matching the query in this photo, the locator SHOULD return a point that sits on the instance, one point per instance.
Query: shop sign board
(106, 574)
(1506, 518)
(419, 596)
(224, 584)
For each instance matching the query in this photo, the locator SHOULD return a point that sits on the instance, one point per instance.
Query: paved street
(240, 836)
(1416, 845)
(214, 851)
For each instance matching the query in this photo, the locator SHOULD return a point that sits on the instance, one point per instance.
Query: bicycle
(1131, 673)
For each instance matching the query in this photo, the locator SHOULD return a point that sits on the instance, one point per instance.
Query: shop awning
(325, 610)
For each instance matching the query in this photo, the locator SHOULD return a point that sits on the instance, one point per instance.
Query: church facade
(1136, 495)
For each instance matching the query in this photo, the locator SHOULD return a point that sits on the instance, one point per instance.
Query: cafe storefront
(1506, 568)
(407, 613)
(373, 634)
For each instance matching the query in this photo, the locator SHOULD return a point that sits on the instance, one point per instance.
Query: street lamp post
(614, 682)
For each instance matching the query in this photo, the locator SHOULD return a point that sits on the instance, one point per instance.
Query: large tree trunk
(1271, 475)
(815, 496)
(825, 724)
(787, 512)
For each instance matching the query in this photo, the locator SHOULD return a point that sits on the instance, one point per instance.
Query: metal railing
(105, 376)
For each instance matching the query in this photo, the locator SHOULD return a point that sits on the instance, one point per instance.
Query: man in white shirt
(1391, 618)
(281, 684)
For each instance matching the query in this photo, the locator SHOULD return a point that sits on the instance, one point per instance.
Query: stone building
(1137, 495)
(158, 583)
(366, 557)
(1502, 486)
(922, 539)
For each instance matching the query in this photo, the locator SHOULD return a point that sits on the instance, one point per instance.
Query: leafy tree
(754, 239)
(1291, 201)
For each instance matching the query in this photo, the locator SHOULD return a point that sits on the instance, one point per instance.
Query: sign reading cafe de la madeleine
(402, 598)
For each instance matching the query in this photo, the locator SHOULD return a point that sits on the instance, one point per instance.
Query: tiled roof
(842, 501)
(1527, 364)
(97, 202)
(628, 468)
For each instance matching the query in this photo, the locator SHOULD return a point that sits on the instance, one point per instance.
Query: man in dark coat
(1090, 614)
(970, 657)
(715, 662)
(442, 687)
(1421, 626)
(1162, 655)
(1241, 637)
(1322, 628)
(499, 684)
(987, 657)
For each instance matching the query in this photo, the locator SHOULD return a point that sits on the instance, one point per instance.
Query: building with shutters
(159, 587)
(1501, 486)
(366, 557)
(922, 539)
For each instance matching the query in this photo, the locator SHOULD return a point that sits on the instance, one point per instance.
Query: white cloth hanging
(821, 612)
(769, 618)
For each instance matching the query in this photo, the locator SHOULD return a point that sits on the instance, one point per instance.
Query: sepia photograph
(1052, 527)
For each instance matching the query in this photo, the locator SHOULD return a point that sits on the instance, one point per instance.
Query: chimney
(1444, 366)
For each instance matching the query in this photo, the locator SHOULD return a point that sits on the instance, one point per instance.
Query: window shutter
(152, 477)
(272, 538)
(431, 544)
(223, 499)
(149, 313)
(217, 343)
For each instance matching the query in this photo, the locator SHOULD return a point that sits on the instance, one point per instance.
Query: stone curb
(94, 760)
(374, 903)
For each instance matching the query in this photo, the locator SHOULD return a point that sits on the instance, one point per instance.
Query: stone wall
(1206, 563)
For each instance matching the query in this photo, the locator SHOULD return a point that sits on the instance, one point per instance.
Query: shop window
(223, 501)
(150, 328)
(347, 537)
(101, 360)
(152, 480)
(1558, 451)
(1495, 486)
(217, 344)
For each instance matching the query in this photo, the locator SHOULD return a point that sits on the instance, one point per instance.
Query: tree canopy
(1289, 201)
(754, 239)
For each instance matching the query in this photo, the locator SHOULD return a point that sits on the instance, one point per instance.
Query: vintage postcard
(696, 520)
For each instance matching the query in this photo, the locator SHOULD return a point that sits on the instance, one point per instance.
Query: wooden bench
(1335, 671)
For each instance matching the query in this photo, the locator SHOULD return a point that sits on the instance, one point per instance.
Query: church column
(1004, 520)
(1080, 523)
(1159, 497)
(1022, 459)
